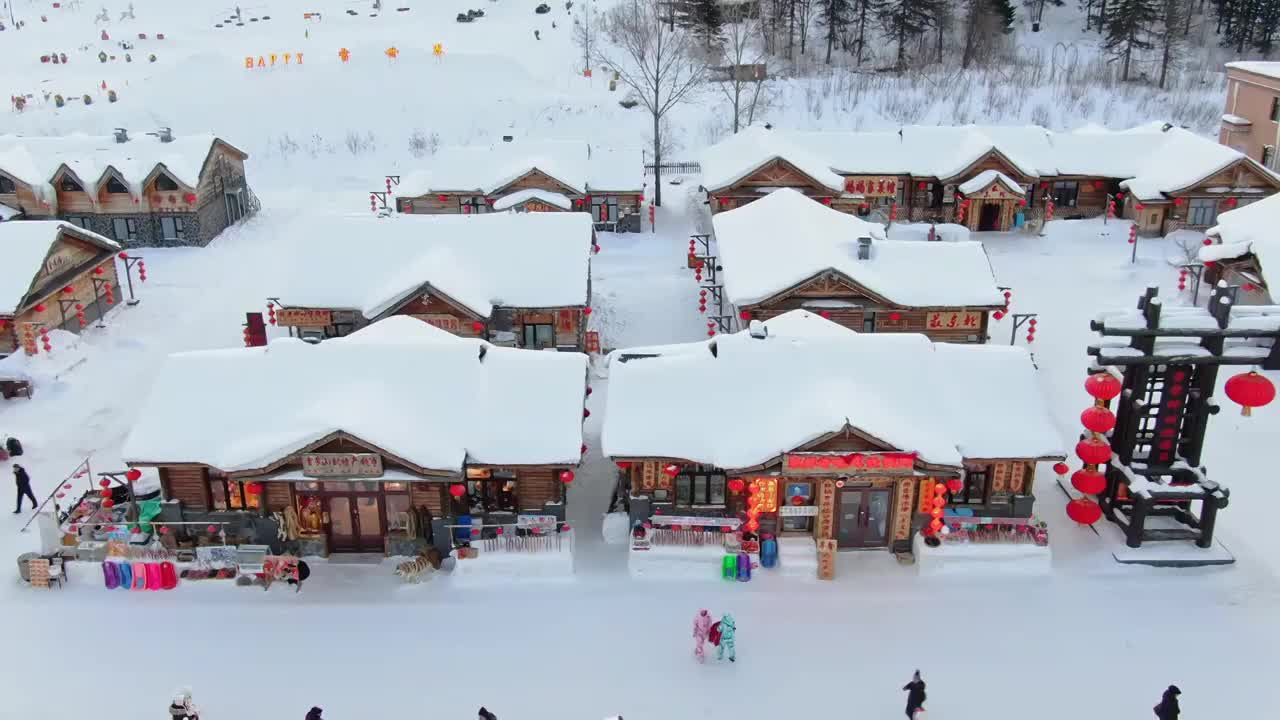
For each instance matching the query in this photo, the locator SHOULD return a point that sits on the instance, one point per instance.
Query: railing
(676, 168)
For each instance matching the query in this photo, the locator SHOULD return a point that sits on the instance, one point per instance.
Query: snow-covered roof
(1153, 157)
(486, 168)
(36, 160)
(980, 182)
(1258, 67)
(786, 238)
(1236, 120)
(520, 196)
(8, 213)
(829, 377)
(24, 246)
(408, 388)
(741, 154)
(369, 264)
(1254, 228)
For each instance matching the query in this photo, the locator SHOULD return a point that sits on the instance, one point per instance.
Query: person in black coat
(1168, 708)
(314, 714)
(915, 694)
(484, 714)
(23, 481)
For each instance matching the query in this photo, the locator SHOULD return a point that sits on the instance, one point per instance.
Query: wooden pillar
(1208, 518)
(1137, 520)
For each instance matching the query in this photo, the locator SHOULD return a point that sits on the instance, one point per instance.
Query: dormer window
(115, 187)
(164, 183)
(7, 186)
(68, 184)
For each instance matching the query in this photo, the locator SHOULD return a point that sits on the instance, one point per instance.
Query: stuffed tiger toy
(413, 570)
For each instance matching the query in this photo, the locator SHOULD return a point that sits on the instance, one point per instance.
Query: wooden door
(863, 517)
(342, 524)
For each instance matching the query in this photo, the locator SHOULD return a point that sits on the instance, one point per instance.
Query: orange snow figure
(392, 52)
(273, 58)
(248, 62)
(437, 49)
(344, 54)
(261, 62)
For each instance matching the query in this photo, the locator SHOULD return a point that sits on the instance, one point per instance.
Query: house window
(172, 228)
(974, 491)
(7, 186)
(79, 221)
(539, 336)
(124, 228)
(1268, 156)
(1064, 193)
(604, 209)
(234, 205)
(115, 187)
(1275, 109)
(164, 183)
(868, 322)
(231, 495)
(1202, 211)
(474, 205)
(699, 489)
(68, 184)
(397, 511)
(798, 495)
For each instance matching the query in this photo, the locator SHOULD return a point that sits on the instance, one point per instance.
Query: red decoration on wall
(623, 465)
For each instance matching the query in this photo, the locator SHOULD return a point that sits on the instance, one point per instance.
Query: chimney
(758, 330)
(864, 248)
(122, 135)
(165, 135)
(507, 138)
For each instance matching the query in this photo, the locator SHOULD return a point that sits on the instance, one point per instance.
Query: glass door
(850, 522)
(864, 518)
(368, 511)
(875, 530)
(342, 527)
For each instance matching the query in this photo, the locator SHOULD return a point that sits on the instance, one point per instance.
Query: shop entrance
(355, 522)
(989, 218)
(863, 518)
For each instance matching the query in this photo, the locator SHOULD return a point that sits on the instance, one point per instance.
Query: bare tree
(586, 26)
(660, 63)
(744, 71)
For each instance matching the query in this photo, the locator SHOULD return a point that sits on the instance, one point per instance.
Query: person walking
(1168, 708)
(701, 629)
(181, 707)
(484, 714)
(314, 714)
(915, 695)
(23, 481)
(728, 635)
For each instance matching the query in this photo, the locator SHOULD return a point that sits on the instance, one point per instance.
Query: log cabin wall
(538, 487)
(83, 288)
(8, 335)
(187, 484)
(536, 180)
(24, 198)
(774, 174)
(430, 495)
(436, 311)
(279, 495)
(431, 204)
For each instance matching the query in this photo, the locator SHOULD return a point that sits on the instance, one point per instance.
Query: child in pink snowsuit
(701, 629)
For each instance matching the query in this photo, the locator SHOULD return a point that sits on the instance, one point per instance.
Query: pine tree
(1264, 38)
(702, 18)
(1004, 10)
(1169, 34)
(834, 16)
(1129, 25)
(904, 20)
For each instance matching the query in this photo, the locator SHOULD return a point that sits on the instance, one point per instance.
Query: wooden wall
(538, 486)
(185, 483)
(279, 495)
(431, 204)
(535, 180)
(82, 285)
(435, 306)
(430, 495)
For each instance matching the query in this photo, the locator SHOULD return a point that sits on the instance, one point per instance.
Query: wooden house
(849, 454)
(52, 274)
(1238, 251)
(530, 177)
(425, 439)
(150, 190)
(842, 268)
(515, 279)
(992, 178)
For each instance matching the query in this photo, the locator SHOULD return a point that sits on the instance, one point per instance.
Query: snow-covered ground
(1093, 638)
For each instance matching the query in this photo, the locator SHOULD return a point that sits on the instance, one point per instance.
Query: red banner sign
(303, 317)
(954, 320)
(849, 462)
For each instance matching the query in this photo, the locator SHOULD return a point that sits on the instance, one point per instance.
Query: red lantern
(189, 198)
(212, 529)
(123, 256)
(164, 531)
(1098, 419)
(939, 489)
(1093, 451)
(133, 474)
(1084, 511)
(1207, 241)
(104, 482)
(935, 525)
(1177, 201)
(253, 488)
(1231, 202)
(583, 449)
(736, 485)
(477, 327)
(1139, 206)
(108, 503)
(1250, 390)
(1119, 196)
(921, 185)
(68, 290)
(1089, 482)
(442, 198)
(938, 502)
(1102, 385)
(895, 316)
(1098, 184)
(998, 315)
(825, 315)
(744, 315)
(955, 485)
(586, 310)
(457, 490)
(589, 391)
(566, 476)
(40, 307)
(1061, 468)
(586, 413)
(99, 271)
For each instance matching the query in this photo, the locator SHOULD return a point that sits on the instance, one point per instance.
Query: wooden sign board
(826, 509)
(593, 341)
(880, 463)
(345, 465)
(826, 559)
(303, 317)
(871, 186)
(954, 320)
(902, 516)
(445, 322)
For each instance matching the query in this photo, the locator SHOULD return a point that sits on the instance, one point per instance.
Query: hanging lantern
(586, 413)
(583, 449)
(212, 529)
(1061, 468)
(123, 256)
(895, 316)
(164, 530)
(253, 488)
(1250, 390)
(586, 310)
(589, 391)
(998, 315)
(39, 308)
(1102, 385)
(105, 482)
(457, 490)
(744, 315)
(939, 489)
(68, 290)
(1093, 451)
(935, 525)
(1089, 482)
(1084, 511)
(566, 476)
(955, 485)
(921, 185)
(1098, 419)
(824, 315)
(108, 503)
(736, 485)
(133, 474)
(477, 327)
